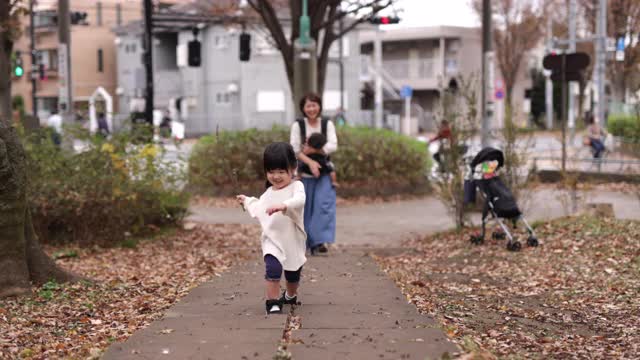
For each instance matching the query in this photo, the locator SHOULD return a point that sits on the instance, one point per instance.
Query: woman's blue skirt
(319, 211)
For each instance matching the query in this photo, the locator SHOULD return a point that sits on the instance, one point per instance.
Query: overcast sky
(437, 12)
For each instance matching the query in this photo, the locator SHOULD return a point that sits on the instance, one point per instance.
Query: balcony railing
(411, 69)
(397, 68)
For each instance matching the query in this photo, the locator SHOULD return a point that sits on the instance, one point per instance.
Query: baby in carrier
(318, 141)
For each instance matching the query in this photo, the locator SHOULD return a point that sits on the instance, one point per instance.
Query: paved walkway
(385, 224)
(350, 310)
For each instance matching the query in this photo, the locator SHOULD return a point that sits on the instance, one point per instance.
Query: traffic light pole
(65, 103)
(487, 72)
(548, 84)
(34, 61)
(148, 61)
(601, 61)
(305, 61)
(564, 111)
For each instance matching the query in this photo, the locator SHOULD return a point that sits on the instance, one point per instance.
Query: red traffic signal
(384, 20)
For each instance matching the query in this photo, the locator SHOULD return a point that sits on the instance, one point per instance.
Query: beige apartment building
(429, 60)
(93, 52)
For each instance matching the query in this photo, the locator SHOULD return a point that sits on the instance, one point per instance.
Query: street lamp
(305, 65)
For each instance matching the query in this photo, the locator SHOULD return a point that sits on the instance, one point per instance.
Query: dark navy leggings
(274, 270)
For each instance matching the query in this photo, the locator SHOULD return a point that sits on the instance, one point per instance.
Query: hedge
(368, 162)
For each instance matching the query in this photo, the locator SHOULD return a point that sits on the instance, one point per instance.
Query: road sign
(620, 49)
(574, 62)
(406, 91)
(499, 90)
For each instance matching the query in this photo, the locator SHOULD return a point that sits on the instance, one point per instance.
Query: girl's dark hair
(313, 97)
(279, 156)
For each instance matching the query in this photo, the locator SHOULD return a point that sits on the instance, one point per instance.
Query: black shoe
(322, 248)
(293, 301)
(274, 307)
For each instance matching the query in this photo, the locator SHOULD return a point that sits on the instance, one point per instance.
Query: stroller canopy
(488, 154)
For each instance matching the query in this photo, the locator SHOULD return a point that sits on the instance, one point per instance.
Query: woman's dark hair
(313, 97)
(279, 156)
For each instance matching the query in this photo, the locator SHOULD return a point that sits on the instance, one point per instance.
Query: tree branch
(374, 4)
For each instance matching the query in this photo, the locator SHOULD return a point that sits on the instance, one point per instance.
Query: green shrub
(368, 162)
(98, 195)
(626, 126)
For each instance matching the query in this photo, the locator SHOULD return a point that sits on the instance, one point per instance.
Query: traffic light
(79, 18)
(18, 68)
(194, 58)
(384, 20)
(245, 47)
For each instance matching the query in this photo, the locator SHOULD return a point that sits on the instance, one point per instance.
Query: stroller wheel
(514, 246)
(476, 239)
(498, 235)
(532, 241)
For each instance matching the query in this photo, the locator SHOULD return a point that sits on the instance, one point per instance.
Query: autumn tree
(623, 20)
(518, 27)
(22, 261)
(324, 16)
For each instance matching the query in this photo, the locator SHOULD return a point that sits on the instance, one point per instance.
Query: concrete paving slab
(360, 316)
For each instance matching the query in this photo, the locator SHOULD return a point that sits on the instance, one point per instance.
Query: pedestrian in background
(320, 206)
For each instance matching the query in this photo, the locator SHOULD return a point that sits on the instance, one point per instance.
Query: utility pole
(487, 72)
(548, 84)
(601, 61)
(572, 85)
(34, 61)
(305, 61)
(341, 64)
(377, 64)
(65, 102)
(148, 60)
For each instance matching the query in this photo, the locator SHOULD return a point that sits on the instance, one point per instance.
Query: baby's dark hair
(317, 141)
(279, 156)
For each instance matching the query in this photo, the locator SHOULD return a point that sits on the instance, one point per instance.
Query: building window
(44, 19)
(49, 58)
(331, 100)
(118, 14)
(99, 13)
(223, 98)
(264, 45)
(47, 104)
(334, 51)
(100, 61)
(270, 101)
(221, 41)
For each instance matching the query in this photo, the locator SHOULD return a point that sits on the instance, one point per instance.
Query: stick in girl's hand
(236, 187)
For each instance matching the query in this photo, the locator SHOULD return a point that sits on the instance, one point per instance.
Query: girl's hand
(240, 199)
(274, 209)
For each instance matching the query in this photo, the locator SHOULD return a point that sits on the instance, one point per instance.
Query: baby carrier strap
(303, 128)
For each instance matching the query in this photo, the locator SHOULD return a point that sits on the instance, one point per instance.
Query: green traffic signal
(18, 71)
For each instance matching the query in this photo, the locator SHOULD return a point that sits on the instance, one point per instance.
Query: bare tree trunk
(5, 76)
(22, 261)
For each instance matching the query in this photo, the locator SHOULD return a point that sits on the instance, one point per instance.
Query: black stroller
(498, 199)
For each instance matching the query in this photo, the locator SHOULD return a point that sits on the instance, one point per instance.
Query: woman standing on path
(320, 205)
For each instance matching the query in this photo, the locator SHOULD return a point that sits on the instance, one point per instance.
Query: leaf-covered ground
(133, 286)
(577, 295)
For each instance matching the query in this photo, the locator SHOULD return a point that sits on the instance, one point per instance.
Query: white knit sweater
(283, 234)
